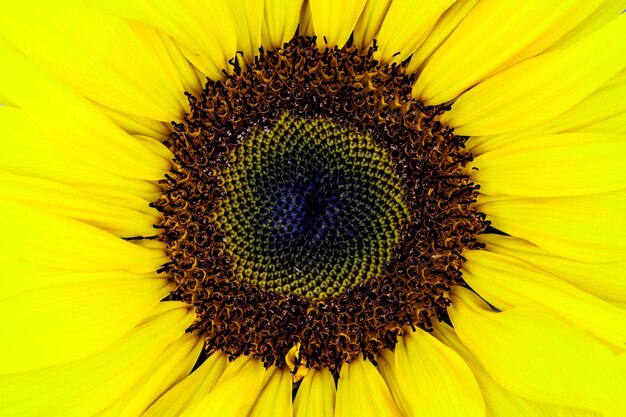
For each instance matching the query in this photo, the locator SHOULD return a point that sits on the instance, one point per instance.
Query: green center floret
(311, 208)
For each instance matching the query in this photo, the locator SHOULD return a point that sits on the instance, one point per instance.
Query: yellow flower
(393, 208)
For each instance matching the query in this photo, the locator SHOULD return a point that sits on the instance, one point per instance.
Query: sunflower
(313, 208)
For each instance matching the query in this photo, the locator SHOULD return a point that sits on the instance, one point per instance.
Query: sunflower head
(313, 208)
(315, 202)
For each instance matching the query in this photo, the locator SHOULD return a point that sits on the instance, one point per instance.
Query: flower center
(314, 203)
(311, 208)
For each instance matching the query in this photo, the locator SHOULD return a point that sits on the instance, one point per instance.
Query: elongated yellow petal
(615, 125)
(33, 276)
(305, 28)
(275, 396)
(531, 352)
(506, 283)
(155, 145)
(191, 389)
(68, 244)
(66, 201)
(70, 122)
(386, 360)
(334, 21)
(75, 320)
(434, 379)
(584, 228)
(235, 392)
(499, 401)
(316, 395)
(491, 38)
(405, 27)
(58, 166)
(248, 20)
(280, 22)
(609, 101)
(594, 114)
(362, 392)
(369, 22)
(97, 54)
(442, 29)
(174, 66)
(553, 166)
(543, 87)
(608, 10)
(90, 385)
(606, 281)
(25, 151)
(207, 46)
(174, 363)
(138, 125)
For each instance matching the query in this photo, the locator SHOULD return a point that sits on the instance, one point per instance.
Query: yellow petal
(541, 88)
(155, 145)
(207, 46)
(613, 125)
(594, 114)
(75, 320)
(608, 10)
(306, 20)
(585, 228)
(369, 22)
(491, 38)
(88, 386)
(280, 22)
(316, 395)
(65, 201)
(171, 366)
(95, 53)
(275, 396)
(552, 410)
(334, 21)
(248, 20)
(506, 283)
(606, 281)
(499, 401)
(386, 365)
(442, 29)
(434, 379)
(362, 392)
(30, 276)
(529, 351)
(33, 276)
(138, 125)
(554, 165)
(26, 152)
(70, 122)
(59, 166)
(405, 27)
(609, 101)
(175, 67)
(64, 243)
(191, 389)
(235, 392)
